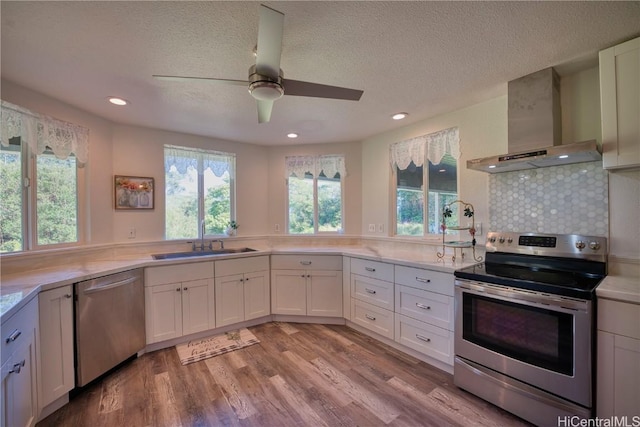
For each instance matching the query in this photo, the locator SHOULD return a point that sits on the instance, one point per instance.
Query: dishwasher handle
(109, 285)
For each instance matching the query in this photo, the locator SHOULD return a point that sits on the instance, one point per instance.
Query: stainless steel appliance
(109, 322)
(524, 331)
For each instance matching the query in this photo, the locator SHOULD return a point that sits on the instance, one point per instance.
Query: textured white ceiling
(424, 58)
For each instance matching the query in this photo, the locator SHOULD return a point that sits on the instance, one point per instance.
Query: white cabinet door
(163, 305)
(56, 374)
(618, 373)
(19, 387)
(198, 307)
(257, 301)
(324, 293)
(620, 104)
(289, 292)
(229, 299)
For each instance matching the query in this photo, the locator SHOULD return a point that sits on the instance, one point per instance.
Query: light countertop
(620, 288)
(18, 289)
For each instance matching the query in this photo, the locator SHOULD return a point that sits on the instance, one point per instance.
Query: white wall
(140, 152)
(483, 132)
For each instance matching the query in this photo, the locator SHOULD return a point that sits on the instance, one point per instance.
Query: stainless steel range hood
(534, 129)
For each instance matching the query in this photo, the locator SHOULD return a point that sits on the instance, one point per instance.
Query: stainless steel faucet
(202, 231)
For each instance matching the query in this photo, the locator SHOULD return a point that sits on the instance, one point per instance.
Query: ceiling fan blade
(269, 42)
(264, 111)
(210, 79)
(298, 88)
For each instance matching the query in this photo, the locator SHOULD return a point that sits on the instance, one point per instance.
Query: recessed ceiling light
(492, 167)
(118, 101)
(399, 116)
(292, 135)
(564, 156)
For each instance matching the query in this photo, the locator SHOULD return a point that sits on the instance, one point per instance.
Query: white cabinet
(179, 300)
(424, 311)
(306, 285)
(242, 290)
(620, 105)
(618, 371)
(372, 296)
(56, 374)
(19, 401)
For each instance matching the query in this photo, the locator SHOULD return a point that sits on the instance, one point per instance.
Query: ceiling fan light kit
(266, 82)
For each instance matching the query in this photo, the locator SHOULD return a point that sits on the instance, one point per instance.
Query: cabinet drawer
(373, 318)
(306, 262)
(428, 280)
(18, 328)
(427, 339)
(428, 307)
(241, 265)
(619, 318)
(177, 273)
(373, 291)
(373, 269)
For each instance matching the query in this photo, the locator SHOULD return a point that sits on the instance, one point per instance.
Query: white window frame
(29, 217)
(422, 150)
(315, 167)
(201, 198)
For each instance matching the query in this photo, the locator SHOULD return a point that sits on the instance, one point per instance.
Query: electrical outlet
(132, 233)
(380, 228)
(277, 227)
(372, 228)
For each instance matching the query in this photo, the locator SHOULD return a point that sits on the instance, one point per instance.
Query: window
(315, 194)
(199, 186)
(41, 175)
(419, 195)
(53, 200)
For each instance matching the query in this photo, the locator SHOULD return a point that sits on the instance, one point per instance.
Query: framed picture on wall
(133, 192)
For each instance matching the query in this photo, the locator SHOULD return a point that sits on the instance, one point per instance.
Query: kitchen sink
(190, 254)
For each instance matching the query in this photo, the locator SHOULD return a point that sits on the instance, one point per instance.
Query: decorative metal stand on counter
(460, 245)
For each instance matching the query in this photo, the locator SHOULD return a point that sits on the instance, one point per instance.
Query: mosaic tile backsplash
(570, 199)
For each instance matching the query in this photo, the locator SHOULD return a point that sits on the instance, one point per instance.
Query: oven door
(539, 339)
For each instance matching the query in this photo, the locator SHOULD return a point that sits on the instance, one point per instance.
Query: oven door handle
(510, 294)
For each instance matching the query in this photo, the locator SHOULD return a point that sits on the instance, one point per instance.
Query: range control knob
(595, 245)
(492, 239)
(580, 245)
(501, 239)
(510, 240)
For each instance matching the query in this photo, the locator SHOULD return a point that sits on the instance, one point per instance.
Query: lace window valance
(300, 165)
(437, 144)
(184, 158)
(39, 132)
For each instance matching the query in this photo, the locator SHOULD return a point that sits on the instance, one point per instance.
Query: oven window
(532, 335)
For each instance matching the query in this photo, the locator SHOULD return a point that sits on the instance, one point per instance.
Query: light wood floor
(298, 375)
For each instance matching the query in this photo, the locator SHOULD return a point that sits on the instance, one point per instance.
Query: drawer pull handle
(185, 289)
(370, 291)
(177, 289)
(422, 306)
(17, 367)
(305, 262)
(68, 295)
(14, 336)
(425, 339)
(369, 317)
(371, 269)
(420, 279)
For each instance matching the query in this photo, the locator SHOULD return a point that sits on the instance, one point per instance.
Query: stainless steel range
(525, 324)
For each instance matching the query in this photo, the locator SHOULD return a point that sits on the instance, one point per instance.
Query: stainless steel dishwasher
(109, 322)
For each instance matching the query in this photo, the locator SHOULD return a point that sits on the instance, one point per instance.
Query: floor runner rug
(204, 348)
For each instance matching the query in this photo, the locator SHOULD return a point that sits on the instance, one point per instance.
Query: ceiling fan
(266, 81)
